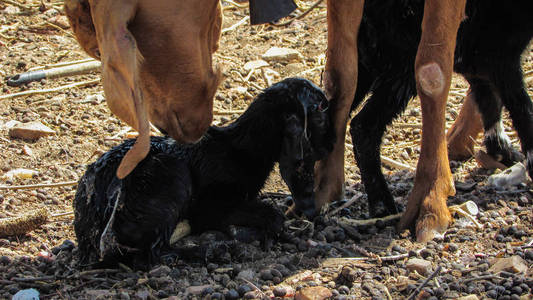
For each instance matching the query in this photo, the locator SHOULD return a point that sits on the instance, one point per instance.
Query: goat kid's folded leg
(340, 77)
(433, 71)
(121, 61)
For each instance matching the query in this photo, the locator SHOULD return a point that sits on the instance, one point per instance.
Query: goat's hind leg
(490, 105)
(520, 107)
(121, 62)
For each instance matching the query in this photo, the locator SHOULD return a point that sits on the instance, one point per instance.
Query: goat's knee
(431, 79)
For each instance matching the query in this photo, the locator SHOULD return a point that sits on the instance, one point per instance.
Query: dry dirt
(84, 128)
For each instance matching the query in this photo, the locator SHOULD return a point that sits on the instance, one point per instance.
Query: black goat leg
(367, 129)
(517, 101)
(490, 104)
(245, 221)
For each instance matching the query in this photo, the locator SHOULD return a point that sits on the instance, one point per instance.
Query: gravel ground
(325, 257)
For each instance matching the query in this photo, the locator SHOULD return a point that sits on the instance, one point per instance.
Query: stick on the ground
(396, 164)
(37, 186)
(419, 288)
(348, 203)
(232, 27)
(367, 222)
(52, 90)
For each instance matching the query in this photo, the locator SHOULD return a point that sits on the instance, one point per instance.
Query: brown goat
(178, 37)
(157, 64)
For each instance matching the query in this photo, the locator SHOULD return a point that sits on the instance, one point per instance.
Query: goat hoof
(382, 206)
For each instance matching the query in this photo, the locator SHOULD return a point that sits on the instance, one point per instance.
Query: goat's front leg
(340, 80)
(433, 71)
(121, 61)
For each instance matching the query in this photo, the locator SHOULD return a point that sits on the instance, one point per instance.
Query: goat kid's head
(308, 136)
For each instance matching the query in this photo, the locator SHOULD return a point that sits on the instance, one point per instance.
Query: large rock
(30, 131)
(513, 264)
(313, 293)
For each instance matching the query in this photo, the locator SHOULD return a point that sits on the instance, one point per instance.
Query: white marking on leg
(430, 79)
(497, 132)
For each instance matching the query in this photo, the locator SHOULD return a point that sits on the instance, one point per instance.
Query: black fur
(489, 44)
(213, 183)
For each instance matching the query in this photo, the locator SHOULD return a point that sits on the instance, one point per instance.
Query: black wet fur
(213, 183)
(490, 42)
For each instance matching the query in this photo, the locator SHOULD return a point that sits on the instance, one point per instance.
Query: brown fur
(464, 131)
(157, 65)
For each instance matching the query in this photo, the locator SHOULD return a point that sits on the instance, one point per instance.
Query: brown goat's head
(176, 40)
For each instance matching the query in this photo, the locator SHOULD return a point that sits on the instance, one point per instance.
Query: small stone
(279, 291)
(469, 297)
(513, 264)
(247, 274)
(197, 289)
(231, 294)
(313, 293)
(281, 54)
(30, 131)
(266, 274)
(160, 271)
(255, 64)
(423, 267)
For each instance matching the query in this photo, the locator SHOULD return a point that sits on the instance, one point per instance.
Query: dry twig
(52, 90)
(232, 27)
(37, 186)
(420, 287)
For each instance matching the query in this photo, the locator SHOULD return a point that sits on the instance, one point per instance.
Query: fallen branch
(232, 27)
(52, 90)
(228, 112)
(348, 203)
(484, 277)
(395, 164)
(368, 222)
(62, 71)
(453, 208)
(421, 286)
(38, 186)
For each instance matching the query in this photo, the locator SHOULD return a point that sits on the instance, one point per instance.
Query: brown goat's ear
(265, 11)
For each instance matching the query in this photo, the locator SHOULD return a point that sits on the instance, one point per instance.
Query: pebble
(313, 293)
(30, 130)
(231, 294)
(423, 267)
(279, 291)
(160, 271)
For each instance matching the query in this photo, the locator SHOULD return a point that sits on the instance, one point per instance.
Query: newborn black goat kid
(213, 183)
